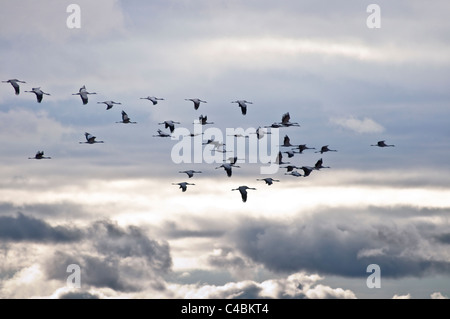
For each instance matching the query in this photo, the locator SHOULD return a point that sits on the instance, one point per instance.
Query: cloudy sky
(112, 209)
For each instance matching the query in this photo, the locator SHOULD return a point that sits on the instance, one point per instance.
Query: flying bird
(126, 119)
(83, 93)
(227, 168)
(216, 144)
(260, 132)
(109, 104)
(294, 173)
(153, 99)
(319, 165)
(269, 180)
(190, 172)
(162, 134)
(39, 93)
(203, 120)
(90, 139)
(196, 102)
(287, 142)
(15, 84)
(243, 191)
(307, 170)
(39, 155)
(303, 147)
(243, 105)
(325, 149)
(290, 168)
(382, 144)
(279, 159)
(290, 153)
(170, 125)
(183, 185)
(285, 120)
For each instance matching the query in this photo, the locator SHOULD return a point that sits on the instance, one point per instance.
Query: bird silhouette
(83, 93)
(196, 102)
(170, 125)
(39, 93)
(319, 165)
(382, 144)
(227, 167)
(285, 120)
(183, 185)
(153, 99)
(162, 134)
(279, 159)
(294, 173)
(90, 139)
(15, 84)
(190, 172)
(126, 119)
(325, 149)
(109, 104)
(287, 142)
(307, 170)
(243, 105)
(203, 120)
(303, 147)
(269, 180)
(243, 191)
(39, 155)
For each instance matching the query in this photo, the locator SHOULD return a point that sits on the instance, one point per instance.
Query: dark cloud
(120, 258)
(342, 243)
(78, 295)
(26, 228)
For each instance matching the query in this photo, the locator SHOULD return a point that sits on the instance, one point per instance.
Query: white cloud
(438, 295)
(298, 285)
(365, 125)
(407, 296)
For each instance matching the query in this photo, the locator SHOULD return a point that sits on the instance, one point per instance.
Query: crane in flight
(39, 155)
(285, 120)
(153, 99)
(162, 134)
(382, 144)
(126, 119)
(325, 149)
(243, 105)
(203, 120)
(170, 125)
(190, 173)
(227, 167)
(319, 165)
(90, 139)
(15, 84)
(83, 93)
(109, 104)
(39, 93)
(183, 185)
(303, 147)
(268, 180)
(196, 102)
(243, 191)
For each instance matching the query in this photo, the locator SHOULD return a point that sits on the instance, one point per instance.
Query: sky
(112, 208)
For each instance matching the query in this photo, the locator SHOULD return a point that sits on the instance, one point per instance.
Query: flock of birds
(228, 164)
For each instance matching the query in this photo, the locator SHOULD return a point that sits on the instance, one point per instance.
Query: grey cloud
(26, 228)
(343, 243)
(123, 259)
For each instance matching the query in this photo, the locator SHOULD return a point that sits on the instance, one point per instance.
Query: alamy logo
(74, 19)
(74, 279)
(254, 146)
(374, 280)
